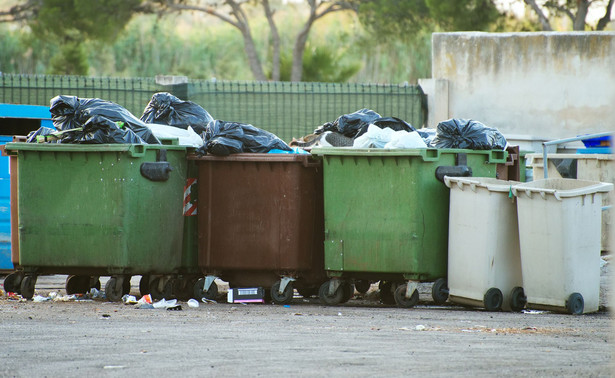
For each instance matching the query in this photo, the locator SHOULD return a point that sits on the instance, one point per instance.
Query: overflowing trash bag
(35, 136)
(392, 123)
(185, 137)
(101, 130)
(71, 112)
(377, 137)
(166, 109)
(224, 138)
(468, 134)
(428, 135)
(350, 124)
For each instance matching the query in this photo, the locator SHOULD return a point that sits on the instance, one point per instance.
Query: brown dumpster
(261, 223)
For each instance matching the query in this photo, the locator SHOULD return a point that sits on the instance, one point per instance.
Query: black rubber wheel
(164, 292)
(12, 282)
(77, 284)
(574, 304)
(400, 297)
(286, 297)
(331, 300)
(518, 300)
(308, 292)
(362, 286)
(439, 291)
(27, 286)
(144, 284)
(348, 291)
(199, 294)
(493, 299)
(386, 292)
(112, 292)
(94, 283)
(126, 285)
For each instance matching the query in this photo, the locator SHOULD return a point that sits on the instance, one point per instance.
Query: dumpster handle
(137, 150)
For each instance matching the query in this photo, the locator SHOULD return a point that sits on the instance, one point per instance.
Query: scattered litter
(105, 316)
(95, 293)
(13, 296)
(534, 312)
(205, 300)
(40, 298)
(530, 329)
(603, 262)
(144, 305)
(287, 306)
(420, 327)
(129, 299)
(53, 295)
(339, 314)
(163, 303)
(145, 299)
(298, 314)
(174, 308)
(193, 303)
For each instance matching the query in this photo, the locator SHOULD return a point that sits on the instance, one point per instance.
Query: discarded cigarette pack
(246, 295)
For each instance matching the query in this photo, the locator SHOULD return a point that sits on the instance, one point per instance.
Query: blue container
(604, 141)
(5, 209)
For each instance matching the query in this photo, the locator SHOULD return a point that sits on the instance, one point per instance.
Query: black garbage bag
(101, 130)
(71, 112)
(166, 109)
(42, 131)
(223, 138)
(350, 124)
(393, 123)
(468, 134)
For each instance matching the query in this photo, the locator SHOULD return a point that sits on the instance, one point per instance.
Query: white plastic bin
(559, 235)
(484, 265)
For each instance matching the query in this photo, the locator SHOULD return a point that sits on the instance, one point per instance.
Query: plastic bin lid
(562, 187)
(489, 183)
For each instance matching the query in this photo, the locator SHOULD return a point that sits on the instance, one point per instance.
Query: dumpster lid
(561, 187)
(61, 147)
(489, 183)
(428, 154)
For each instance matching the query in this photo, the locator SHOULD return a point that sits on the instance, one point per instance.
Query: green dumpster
(92, 210)
(386, 217)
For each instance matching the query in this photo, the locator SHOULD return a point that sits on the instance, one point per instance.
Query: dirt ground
(360, 338)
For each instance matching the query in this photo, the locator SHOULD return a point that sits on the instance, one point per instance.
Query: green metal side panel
(88, 208)
(385, 211)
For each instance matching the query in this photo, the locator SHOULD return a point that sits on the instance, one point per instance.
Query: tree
(575, 10)
(405, 18)
(233, 13)
(69, 22)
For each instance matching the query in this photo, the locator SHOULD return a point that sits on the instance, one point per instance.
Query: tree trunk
(604, 21)
(544, 21)
(297, 69)
(275, 42)
(579, 20)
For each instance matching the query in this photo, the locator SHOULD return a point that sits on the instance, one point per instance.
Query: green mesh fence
(283, 108)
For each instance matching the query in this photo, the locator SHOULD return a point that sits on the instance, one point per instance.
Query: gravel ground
(360, 338)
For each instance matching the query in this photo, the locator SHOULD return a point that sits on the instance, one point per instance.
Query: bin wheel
(183, 288)
(94, 283)
(518, 300)
(362, 286)
(286, 297)
(12, 282)
(27, 286)
(493, 299)
(386, 292)
(574, 304)
(348, 291)
(144, 284)
(199, 293)
(308, 292)
(164, 292)
(331, 300)
(439, 291)
(126, 285)
(400, 297)
(77, 284)
(112, 292)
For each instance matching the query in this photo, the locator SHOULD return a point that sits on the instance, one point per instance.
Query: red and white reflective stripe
(189, 203)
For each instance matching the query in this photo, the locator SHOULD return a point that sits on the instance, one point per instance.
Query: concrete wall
(545, 85)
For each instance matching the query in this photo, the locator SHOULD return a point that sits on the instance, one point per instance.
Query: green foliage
(321, 64)
(92, 19)
(462, 15)
(71, 60)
